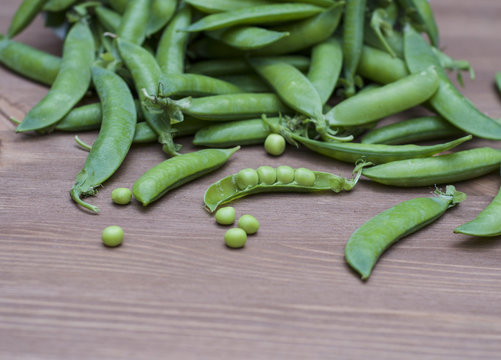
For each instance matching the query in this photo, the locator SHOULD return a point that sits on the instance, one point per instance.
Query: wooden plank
(174, 291)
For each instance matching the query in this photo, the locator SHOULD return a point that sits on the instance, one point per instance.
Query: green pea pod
(387, 100)
(176, 171)
(194, 85)
(171, 48)
(443, 169)
(217, 6)
(381, 67)
(134, 21)
(227, 190)
(228, 67)
(24, 15)
(369, 241)
(71, 83)
(108, 18)
(58, 5)
(261, 14)
(412, 130)
(161, 11)
(233, 133)
(421, 12)
(114, 139)
(326, 64)
(247, 37)
(147, 74)
(305, 33)
(447, 101)
(248, 83)
(487, 223)
(498, 81)
(374, 153)
(353, 38)
(28, 61)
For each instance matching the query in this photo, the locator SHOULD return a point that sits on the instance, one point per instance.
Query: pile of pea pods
(233, 72)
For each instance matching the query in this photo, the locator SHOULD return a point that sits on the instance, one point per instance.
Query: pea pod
(134, 21)
(447, 101)
(374, 153)
(353, 31)
(261, 14)
(390, 99)
(108, 18)
(381, 67)
(487, 223)
(28, 61)
(71, 83)
(58, 5)
(114, 139)
(326, 64)
(161, 11)
(449, 168)
(232, 133)
(420, 12)
(248, 83)
(194, 85)
(24, 16)
(247, 37)
(176, 171)
(498, 81)
(217, 6)
(409, 131)
(171, 48)
(227, 189)
(369, 241)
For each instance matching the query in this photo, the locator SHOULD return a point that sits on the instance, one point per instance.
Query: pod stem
(82, 144)
(451, 194)
(75, 195)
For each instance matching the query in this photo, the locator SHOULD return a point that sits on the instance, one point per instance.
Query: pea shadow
(478, 243)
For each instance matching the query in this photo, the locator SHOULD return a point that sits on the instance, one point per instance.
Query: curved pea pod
(459, 166)
(71, 83)
(447, 101)
(387, 100)
(227, 190)
(261, 14)
(375, 153)
(369, 241)
(176, 171)
(232, 133)
(29, 62)
(305, 33)
(408, 131)
(487, 223)
(108, 18)
(114, 139)
(134, 22)
(24, 16)
(247, 37)
(194, 85)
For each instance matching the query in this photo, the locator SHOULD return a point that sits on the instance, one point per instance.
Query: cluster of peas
(267, 175)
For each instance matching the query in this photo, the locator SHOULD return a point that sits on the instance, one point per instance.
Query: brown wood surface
(173, 291)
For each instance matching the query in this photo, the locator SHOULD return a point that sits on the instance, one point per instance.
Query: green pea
(249, 224)
(274, 144)
(121, 196)
(267, 175)
(246, 178)
(285, 174)
(225, 216)
(112, 236)
(304, 177)
(235, 238)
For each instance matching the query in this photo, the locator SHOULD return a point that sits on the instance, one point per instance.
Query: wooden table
(173, 291)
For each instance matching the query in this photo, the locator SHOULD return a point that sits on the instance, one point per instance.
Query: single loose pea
(235, 238)
(246, 178)
(121, 196)
(274, 144)
(267, 175)
(112, 236)
(304, 177)
(285, 174)
(248, 223)
(225, 216)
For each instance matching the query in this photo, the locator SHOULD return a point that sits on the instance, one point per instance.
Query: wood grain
(173, 291)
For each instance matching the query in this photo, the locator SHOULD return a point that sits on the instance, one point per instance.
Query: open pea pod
(228, 189)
